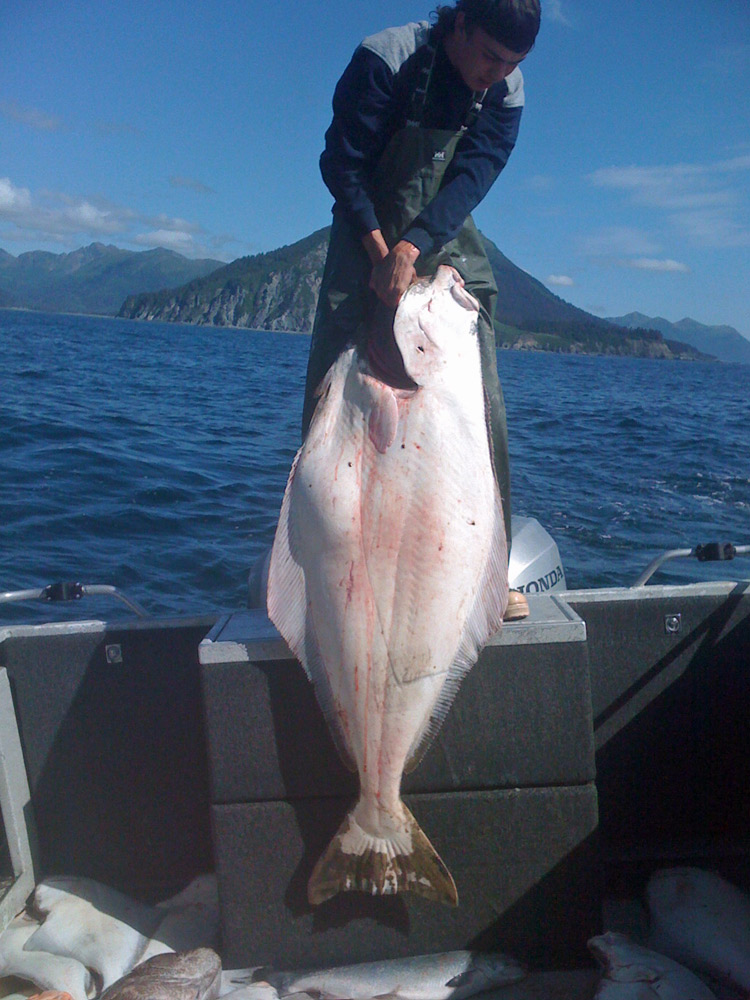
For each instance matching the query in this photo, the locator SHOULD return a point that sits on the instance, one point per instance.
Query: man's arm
(359, 131)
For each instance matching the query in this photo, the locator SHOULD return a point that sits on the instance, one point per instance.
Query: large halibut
(389, 573)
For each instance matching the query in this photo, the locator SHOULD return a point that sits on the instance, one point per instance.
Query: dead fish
(247, 984)
(632, 972)
(700, 919)
(93, 923)
(190, 975)
(389, 573)
(45, 971)
(453, 974)
(254, 991)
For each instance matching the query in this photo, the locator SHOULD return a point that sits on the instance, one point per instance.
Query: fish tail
(381, 865)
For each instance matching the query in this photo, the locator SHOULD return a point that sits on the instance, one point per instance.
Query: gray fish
(700, 919)
(190, 975)
(389, 573)
(451, 975)
(632, 972)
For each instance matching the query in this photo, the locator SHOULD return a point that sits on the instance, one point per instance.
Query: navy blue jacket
(373, 100)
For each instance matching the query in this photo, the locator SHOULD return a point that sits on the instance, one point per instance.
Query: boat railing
(66, 591)
(710, 552)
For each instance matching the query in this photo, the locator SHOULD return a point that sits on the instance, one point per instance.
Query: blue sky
(198, 126)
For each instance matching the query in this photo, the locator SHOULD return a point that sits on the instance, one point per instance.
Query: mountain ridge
(92, 279)
(724, 342)
(278, 291)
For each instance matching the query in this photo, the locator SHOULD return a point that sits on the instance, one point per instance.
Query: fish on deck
(632, 972)
(44, 970)
(701, 920)
(100, 927)
(389, 572)
(190, 975)
(451, 975)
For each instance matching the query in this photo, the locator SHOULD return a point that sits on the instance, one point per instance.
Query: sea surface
(153, 457)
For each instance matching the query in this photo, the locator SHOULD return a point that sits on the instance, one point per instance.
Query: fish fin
(383, 420)
(286, 602)
(286, 605)
(324, 696)
(379, 866)
(287, 609)
(484, 620)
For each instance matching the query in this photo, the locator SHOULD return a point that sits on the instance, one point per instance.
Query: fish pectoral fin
(382, 423)
(379, 866)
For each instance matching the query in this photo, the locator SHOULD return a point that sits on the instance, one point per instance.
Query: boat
(600, 739)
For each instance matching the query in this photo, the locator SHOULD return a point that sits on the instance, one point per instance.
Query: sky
(198, 125)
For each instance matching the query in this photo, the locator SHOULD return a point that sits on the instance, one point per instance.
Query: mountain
(724, 342)
(94, 279)
(279, 291)
(269, 291)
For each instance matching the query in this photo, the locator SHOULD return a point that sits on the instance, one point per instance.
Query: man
(425, 119)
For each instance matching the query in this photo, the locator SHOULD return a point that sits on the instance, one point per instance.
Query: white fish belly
(393, 546)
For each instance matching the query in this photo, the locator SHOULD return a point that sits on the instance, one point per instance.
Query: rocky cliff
(273, 291)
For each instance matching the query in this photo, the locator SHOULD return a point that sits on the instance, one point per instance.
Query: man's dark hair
(513, 23)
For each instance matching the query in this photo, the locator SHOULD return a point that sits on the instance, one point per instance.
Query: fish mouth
(448, 278)
(387, 365)
(384, 358)
(464, 298)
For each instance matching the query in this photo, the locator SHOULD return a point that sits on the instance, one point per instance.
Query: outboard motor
(535, 565)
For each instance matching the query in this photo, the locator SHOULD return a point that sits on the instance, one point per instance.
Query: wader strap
(477, 100)
(419, 97)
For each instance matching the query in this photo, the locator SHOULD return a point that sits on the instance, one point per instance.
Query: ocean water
(153, 457)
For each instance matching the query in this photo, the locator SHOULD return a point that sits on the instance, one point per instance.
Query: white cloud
(32, 117)
(707, 203)
(553, 11)
(653, 264)
(57, 218)
(559, 279)
(189, 182)
(13, 200)
(85, 217)
(171, 239)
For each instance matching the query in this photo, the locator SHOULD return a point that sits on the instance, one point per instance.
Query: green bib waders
(407, 178)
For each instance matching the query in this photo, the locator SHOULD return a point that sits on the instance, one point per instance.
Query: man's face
(478, 57)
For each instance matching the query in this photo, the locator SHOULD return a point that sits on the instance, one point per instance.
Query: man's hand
(392, 270)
